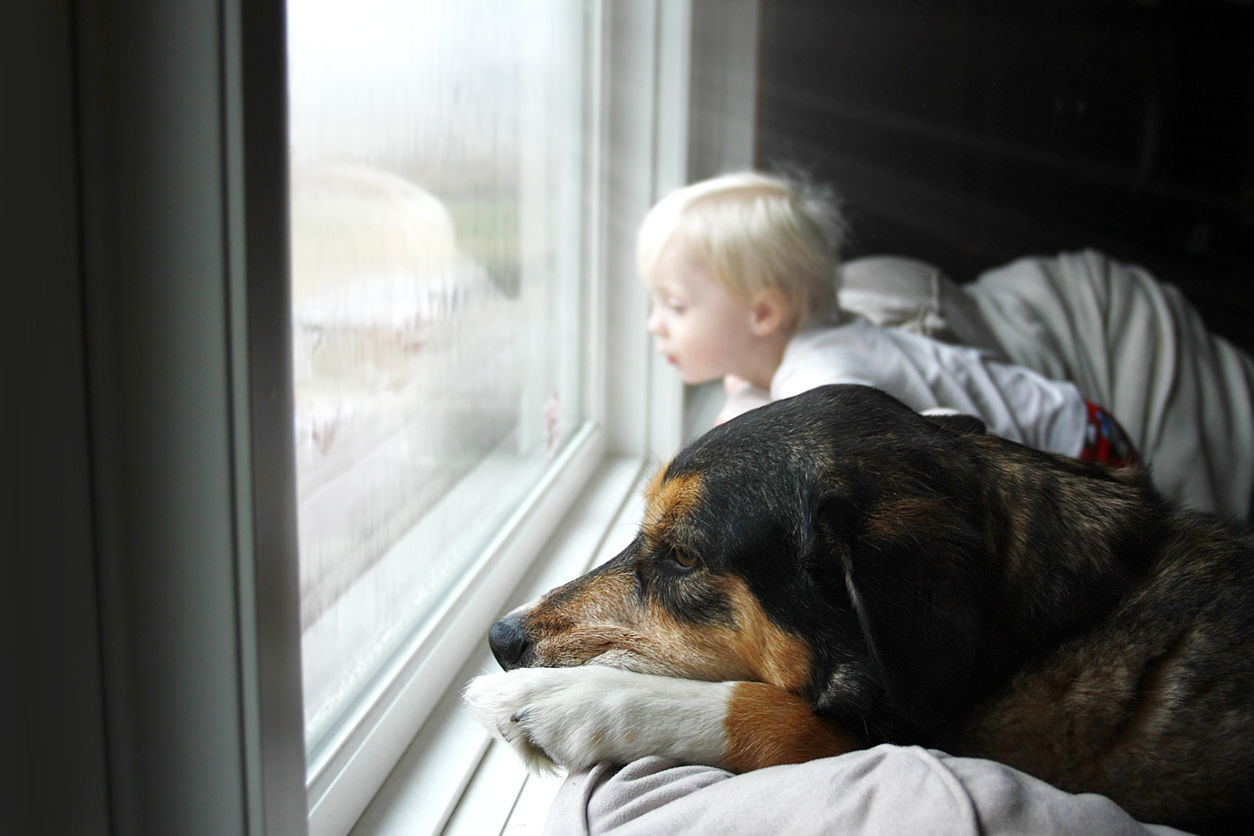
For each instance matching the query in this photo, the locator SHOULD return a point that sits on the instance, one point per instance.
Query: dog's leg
(576, 717)
(768, 726)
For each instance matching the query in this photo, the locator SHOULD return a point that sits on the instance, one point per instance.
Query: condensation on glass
(439, 173)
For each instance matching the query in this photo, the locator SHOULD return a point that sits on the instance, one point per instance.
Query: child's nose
(655, 323)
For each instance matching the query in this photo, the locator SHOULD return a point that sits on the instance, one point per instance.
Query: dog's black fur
(960, 591)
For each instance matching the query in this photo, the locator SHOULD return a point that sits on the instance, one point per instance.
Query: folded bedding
(1135, 345)
(1128, 341)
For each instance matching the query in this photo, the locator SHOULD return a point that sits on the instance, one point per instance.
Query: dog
(834, 571)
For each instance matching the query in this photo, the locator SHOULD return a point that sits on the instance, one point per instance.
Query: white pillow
(915, 296)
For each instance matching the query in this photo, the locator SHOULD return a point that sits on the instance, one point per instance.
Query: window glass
(439, 159)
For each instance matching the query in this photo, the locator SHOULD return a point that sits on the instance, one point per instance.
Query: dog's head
(837, 545)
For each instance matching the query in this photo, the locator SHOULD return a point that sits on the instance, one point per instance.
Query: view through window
(439, 200)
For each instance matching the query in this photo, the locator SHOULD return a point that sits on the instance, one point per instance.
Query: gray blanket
(885, 791)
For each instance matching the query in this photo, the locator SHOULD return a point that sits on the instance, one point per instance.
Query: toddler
(743, 274)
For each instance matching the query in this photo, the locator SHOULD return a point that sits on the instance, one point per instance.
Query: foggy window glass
(438, 205)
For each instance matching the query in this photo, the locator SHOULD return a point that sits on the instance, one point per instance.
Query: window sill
(453, 779)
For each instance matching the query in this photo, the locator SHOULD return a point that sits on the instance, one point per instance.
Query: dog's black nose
(509, 642)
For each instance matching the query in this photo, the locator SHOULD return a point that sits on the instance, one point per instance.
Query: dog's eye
(684, 559)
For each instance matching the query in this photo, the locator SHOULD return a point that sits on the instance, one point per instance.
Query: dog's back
(1155, 707)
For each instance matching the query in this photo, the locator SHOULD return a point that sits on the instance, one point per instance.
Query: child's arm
(742, 396)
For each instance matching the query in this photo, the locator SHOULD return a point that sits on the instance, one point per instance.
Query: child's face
(700, 328)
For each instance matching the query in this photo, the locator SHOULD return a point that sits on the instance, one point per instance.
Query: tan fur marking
(586, 624)
(605, 623)
(774, 655)
(767, 727)
(668, 501)
(755, 649)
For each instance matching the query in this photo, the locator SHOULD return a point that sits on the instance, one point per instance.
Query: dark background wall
(970, 132)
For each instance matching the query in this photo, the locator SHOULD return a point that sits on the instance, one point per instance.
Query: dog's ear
(956, 422)
(910, 568)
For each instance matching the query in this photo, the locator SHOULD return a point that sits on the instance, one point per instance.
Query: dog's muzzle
(509, 642)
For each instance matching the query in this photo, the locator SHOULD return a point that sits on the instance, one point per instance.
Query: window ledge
(453, 779)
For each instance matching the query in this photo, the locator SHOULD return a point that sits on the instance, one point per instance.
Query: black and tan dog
(834, 570)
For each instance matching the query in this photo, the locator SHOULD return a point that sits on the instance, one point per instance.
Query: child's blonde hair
(756, 232)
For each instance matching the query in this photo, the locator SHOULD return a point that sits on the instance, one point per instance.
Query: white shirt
(1014, 402)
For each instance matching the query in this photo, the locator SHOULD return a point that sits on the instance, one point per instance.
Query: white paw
(577, 717)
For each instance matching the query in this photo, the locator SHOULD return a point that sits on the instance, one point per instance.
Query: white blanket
(1129, 342)
(1138, 348)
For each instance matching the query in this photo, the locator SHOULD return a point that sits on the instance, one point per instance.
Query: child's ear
(769, 312)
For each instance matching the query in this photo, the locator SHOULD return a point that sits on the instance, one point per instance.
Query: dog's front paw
(503, 703)
(577, 717)
(550, 715)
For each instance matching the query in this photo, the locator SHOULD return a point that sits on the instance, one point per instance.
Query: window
(459, 237)
(440, 189)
